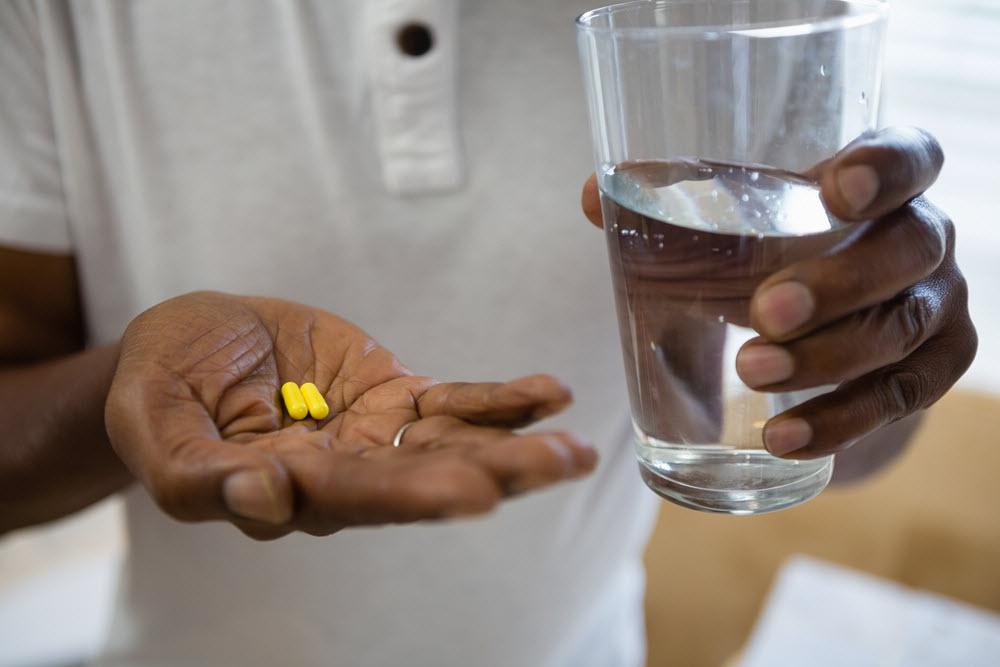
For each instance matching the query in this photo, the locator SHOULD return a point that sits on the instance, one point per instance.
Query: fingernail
(586, 459)
(251, 495)
(760, 365)
(787, 436)
(563, 450)
(545, 411)
(859, 185)
(784, 308)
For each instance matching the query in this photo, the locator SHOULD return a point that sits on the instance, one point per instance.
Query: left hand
(884, 314)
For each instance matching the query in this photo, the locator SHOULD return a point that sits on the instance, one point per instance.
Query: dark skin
(55, 459)
(187, 402)
(202, 370)
(187, 405)
(884, 314)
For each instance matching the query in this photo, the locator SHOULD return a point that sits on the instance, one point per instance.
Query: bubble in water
(652, 346)
(745, 197)
(754, 175)
(660, 245)
(729, 253)
(715, 194)
(756, 214)
(822, 70)
(721, 318)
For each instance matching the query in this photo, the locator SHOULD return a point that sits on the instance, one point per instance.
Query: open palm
(194, 413)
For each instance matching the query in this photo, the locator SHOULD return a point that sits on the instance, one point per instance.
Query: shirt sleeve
(33, 213)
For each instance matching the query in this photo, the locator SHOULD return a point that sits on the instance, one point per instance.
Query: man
(411, 169)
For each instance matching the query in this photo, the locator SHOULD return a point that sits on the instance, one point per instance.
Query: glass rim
(871, 12)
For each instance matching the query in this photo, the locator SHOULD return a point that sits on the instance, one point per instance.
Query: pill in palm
(318, 409)
(295, 403)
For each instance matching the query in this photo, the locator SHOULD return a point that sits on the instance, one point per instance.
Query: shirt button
(414, 39)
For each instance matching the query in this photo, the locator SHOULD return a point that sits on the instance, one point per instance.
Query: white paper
(823, 615)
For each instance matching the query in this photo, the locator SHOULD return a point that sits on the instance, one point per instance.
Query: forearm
(55, 457)
(875, 451)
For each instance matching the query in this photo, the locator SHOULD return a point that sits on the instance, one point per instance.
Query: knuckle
(927, 235)
(968, 353)
(964, 343)
(914, 318)
(958, 291)
(934, 217)
(902, 392)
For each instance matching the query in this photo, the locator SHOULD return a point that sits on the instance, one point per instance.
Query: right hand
(194, 413)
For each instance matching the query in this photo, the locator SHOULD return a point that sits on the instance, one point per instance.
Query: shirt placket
(412, 84)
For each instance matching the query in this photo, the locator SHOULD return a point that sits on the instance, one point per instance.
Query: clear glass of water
(707, 116)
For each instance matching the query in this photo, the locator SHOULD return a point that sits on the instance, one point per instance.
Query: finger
(507, 456)
(441, 432)
(590, 201)
(518, 462)
(343, 491)
(504, 453)
(848, 348)
(262, 532)
(874, 264)
(879, 172)
(203, 479)
(834, 421)
(401, 487)
(172, 445)
(510, 404)
(533, 461)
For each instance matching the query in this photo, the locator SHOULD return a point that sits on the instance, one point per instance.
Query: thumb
(212, 479)
(171, 444)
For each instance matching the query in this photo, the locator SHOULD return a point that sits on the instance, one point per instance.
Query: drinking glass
(706, 117)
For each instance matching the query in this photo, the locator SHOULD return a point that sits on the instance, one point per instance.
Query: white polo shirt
(293, 149)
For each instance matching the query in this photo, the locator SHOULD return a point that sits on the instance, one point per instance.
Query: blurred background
(790, 588)
(929, 522)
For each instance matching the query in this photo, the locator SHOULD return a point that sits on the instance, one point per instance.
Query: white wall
(943, 74)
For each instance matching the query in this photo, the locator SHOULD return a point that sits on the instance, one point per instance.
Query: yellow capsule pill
(294, 402)
(318, 409)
